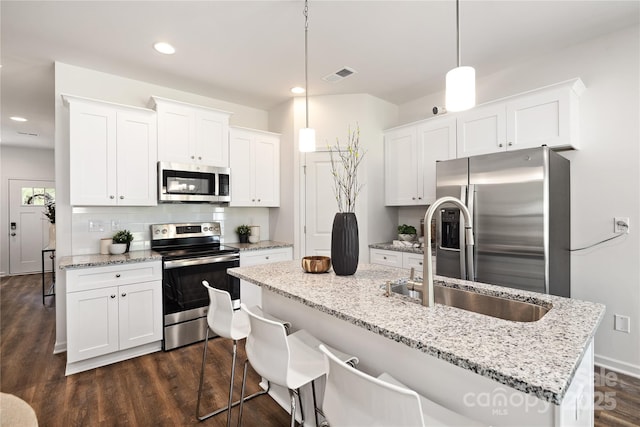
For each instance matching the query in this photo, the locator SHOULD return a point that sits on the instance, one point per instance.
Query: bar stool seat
(232, 324)
(354, 398)
(290, 361)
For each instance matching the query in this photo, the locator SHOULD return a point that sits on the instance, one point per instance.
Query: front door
(28, 227)
(320, 204)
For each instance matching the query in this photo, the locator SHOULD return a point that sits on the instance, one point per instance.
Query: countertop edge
(98, 260)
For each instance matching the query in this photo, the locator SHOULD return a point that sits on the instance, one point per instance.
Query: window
(38, 196)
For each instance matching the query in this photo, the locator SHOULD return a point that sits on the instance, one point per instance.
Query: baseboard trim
(107, 359)
(618, 366)
(60, 347)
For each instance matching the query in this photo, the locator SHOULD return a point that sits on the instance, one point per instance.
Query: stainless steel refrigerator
(520, 205)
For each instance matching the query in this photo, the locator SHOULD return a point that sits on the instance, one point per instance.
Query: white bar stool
(354, 398)
(287, 360)
(231, 324)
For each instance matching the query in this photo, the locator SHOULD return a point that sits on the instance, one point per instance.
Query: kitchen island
(497, 371)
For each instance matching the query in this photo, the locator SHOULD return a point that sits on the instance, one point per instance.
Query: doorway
(28, 226)
(320, 204)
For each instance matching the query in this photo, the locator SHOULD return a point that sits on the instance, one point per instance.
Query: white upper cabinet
(112, 154)
(254, 159)
(411, 153)
(192, 134)
(547, 116)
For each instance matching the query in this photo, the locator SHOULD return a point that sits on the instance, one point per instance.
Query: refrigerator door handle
(463, 260)
(471, 197)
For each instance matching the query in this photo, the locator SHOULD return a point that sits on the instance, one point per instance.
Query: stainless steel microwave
(181, 182)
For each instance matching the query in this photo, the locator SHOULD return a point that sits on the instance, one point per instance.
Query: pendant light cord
(306, 61)
(458, 30)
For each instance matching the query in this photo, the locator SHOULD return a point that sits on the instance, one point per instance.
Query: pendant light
(461, 81)
(307, 137)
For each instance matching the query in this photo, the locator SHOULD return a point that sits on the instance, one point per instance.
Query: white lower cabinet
(396, 259)
(113, 313)
(251, 294)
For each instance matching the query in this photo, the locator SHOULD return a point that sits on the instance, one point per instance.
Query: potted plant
(243, 233)
(407, 232)
(344, 234)
(123, 237)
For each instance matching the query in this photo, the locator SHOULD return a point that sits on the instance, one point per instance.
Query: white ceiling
(252, 52)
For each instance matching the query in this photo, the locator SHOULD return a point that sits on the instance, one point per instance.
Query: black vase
(345, 248)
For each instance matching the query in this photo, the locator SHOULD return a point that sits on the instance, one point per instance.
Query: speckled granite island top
(98, 260)
(389, 246)
(538, 358)
(263, 244)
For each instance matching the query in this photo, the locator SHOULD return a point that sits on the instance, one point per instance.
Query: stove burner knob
(165, 231)
(157, 231)
(205, 228)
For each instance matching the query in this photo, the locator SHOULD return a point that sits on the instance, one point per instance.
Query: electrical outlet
(621, 323)
(96, 226)
(621, 224)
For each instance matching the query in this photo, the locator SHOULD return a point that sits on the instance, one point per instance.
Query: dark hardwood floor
(160, 389)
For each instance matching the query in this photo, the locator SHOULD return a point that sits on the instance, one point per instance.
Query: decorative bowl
(117, 248)
(316, 264)
(407, 237)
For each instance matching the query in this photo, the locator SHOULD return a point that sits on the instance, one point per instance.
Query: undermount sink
(502, 308)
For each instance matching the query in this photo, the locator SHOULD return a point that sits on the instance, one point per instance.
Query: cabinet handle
(253, 200)
(193, 157)
(112, 197)
(419, 198)
(113, 296)
(510, 144)
(267, 257)
(258, 200)
(199, 158)
(413, 198)
(500, 145)
(121, 197)
(420, 263)
(118, 275)
(384, 257)
(124, 294)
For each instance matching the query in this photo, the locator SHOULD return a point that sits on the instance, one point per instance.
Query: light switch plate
(96, 226)
(621, 323)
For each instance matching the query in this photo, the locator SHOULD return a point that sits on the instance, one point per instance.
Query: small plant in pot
(407, 232)
(123, 237)
(243, 233)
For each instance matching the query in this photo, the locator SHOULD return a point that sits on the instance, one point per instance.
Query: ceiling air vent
(343, 73)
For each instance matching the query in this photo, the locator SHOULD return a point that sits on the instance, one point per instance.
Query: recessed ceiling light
(165, 48)
(297, 90)
(18, 119)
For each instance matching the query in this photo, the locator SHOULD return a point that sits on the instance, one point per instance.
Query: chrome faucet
(427, 276)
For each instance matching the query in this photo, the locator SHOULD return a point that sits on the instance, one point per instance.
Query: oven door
(184, 297)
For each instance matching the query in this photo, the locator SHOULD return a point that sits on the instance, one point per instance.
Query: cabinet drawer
(413, 260)
(100, 277)
(390, 258)
(266, 256)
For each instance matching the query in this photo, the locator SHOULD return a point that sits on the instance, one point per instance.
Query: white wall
(19, 163)
(605, 180)
(72, 224)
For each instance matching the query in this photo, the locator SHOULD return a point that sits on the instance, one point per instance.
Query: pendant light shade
(307, 137)
(307, 140)
(461, 81)
(461, 89)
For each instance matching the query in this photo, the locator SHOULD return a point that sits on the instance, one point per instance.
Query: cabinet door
(92, 323)
(416, 261)
(401, 167)
(436, 141)
(482, 130)
(382, 257)
(140, 310)
(539, 119)
(212, 138)
(241, 171)
(176, 133)
(92, 154)
(266, 166)
(136, 159)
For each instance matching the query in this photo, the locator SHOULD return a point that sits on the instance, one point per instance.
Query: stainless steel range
(192, 253)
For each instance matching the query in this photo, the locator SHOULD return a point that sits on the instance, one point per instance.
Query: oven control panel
(174, 231)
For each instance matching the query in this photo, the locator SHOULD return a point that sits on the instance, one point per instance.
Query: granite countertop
(263, 244)
(538, 358)
(389, 246)
(98, 260)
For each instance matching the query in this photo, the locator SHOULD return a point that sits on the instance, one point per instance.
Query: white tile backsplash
(138, 219)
